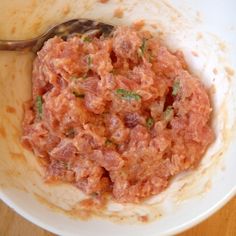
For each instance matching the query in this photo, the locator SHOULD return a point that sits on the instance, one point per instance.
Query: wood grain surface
(222, 223)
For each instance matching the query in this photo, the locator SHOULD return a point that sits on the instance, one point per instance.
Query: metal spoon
(64, 30)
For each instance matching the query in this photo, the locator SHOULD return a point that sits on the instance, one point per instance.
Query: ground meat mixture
(119, 115)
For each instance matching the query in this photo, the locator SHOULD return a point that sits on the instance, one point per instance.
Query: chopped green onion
(150, 57)
(168, 113)
(143, 46)
(84, 77)
(176, 88)
(74, 78)
(121, 91)
(149, 122)
(66, 165)
(78, 95)
(142, 49)
(108, 142)
(39, 106)
(90, 60)
(87, 39)
(125, 94)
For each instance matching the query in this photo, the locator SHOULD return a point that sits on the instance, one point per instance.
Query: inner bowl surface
(193, 195)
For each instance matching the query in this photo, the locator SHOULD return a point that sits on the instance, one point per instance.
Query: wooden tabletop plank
(222, 223)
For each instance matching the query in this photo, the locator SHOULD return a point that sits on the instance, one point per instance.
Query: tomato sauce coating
(119, 115)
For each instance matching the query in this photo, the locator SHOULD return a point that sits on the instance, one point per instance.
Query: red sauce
(119, 115)
(103, 1)
(2, 132)
(10, 109)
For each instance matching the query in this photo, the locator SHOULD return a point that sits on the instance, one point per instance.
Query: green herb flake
(142, 49)
(84, 77)
(62, 164)
(78, 95)
(143, 46)
(66, 165)
(150, 57)
(74, 78)
(108, 142)
(39, 106)
(149, 122)
(176, 88)
(168, 113)
(86, 39)
(128, 95)
(90, 61)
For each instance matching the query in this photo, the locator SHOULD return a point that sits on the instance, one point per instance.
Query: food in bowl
(119, 114)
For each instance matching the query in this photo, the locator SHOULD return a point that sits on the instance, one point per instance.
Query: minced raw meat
(119, 115)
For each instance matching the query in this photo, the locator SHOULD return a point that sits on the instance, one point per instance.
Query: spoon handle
(17, 45)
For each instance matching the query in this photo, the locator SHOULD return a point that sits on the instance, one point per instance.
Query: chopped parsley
(128, 95)
(39, 106)
(176, 88)
(149, 122)
(78, 95)
(168, 113)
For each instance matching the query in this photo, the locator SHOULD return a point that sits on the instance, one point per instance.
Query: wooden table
(222, 223)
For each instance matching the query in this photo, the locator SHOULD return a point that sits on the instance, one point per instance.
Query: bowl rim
(172, 231)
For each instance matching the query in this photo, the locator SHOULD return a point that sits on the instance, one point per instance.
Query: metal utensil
(64, 30)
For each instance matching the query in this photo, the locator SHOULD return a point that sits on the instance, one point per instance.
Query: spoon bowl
(64, 30)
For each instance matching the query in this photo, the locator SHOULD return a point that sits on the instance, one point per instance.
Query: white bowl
(205, 32)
